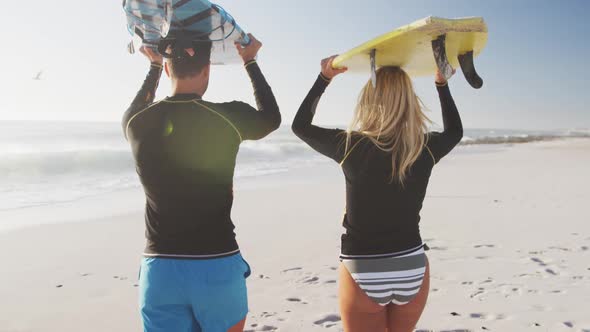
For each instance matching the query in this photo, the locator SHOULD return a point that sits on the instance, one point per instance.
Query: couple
(193, 277)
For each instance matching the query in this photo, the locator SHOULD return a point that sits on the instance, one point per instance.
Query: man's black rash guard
(381, 216)
(185, 152)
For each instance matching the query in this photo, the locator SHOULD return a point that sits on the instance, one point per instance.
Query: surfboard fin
(131, 48)
(373, 56)
(440, 56)
(468, 68)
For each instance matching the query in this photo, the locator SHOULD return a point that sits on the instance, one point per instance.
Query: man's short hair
(184, 66)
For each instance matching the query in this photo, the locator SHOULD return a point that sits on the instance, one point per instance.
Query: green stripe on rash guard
(135, 116)
(351, 149)
(221, 116)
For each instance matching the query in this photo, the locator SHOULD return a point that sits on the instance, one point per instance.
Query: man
(192, 275)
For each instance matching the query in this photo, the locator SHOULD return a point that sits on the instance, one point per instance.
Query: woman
(387, 156)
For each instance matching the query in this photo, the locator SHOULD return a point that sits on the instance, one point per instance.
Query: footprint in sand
(439, 248)
(477, 315)
(560, 248)
(536, 252)
(551, 271)
(484, 245)
(328, 320)
(568, 324)
(292, 269)
(264, 328)
(310, 280)
(332, 281)
(538, 261)
(293, 299)
(266, 314)
(487, 281)
(476, 294)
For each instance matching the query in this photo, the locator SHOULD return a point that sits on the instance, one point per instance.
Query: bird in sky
(38, 76)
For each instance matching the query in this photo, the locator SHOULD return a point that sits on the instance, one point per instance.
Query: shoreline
(119, 200)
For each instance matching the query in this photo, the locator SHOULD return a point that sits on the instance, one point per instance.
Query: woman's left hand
(439, 78)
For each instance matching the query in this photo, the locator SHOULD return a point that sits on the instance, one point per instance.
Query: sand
(508, 225)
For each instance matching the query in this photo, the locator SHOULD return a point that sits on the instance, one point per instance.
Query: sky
(535, 65)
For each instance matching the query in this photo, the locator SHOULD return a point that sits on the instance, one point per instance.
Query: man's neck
(184, 87)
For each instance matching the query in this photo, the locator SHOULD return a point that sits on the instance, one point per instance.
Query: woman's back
(382, 212)
(382, 215)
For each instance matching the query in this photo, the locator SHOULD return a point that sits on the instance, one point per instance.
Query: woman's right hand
(330, 72)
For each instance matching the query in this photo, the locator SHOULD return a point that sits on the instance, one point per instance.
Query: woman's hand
(152, 55)
(249, 52)
(439, 78)
(328, 71)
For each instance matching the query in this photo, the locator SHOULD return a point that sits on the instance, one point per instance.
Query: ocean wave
(506, 139)
(65, 163)
(522, 138)
(50, 163)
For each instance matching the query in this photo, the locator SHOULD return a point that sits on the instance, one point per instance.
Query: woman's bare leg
(359, 313)
(403, 318)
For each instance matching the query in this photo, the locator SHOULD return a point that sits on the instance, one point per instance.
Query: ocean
(45, 163)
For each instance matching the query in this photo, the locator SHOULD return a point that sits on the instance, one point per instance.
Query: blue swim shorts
(193, 295)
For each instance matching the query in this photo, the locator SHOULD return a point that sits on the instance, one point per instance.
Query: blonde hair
(392, 117)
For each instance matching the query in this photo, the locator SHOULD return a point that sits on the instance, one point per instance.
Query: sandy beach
(508, 227)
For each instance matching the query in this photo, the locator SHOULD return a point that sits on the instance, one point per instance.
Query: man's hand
(249, 52)
(152, 55)
(330, 72)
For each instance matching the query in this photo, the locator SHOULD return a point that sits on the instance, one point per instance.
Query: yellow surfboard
(422, 47)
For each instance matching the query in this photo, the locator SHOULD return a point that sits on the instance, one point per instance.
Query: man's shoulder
(231, 106)
(132, 114)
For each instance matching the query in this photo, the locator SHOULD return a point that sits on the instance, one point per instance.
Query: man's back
(185, 152)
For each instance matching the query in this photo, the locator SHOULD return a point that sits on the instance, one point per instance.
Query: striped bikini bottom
(393, 278)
